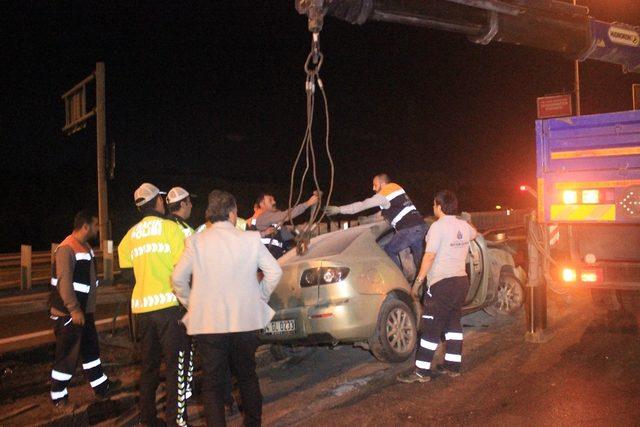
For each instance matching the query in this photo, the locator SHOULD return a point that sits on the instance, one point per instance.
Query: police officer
(399, 211)
(443, 265)
(72, 305)
(152, 247)
(179, 205)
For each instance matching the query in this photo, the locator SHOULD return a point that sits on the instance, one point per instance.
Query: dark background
(211, 94)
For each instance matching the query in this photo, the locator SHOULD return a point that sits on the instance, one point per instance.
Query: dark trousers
(163, 335)
(412, 238)
(219, 353)
(73, 341)
(442, 310)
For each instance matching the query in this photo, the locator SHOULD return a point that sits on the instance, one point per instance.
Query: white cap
(145, 193)
(176, 194)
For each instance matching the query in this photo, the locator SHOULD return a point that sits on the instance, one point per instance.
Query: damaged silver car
(346, 290)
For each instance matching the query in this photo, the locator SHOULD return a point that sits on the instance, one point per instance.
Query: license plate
(280, 327)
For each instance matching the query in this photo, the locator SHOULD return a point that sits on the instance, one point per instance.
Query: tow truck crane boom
(544, 24)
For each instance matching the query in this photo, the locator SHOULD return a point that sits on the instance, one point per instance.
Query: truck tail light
(591, 275)
(591, 197)
(588, 276)
(570, 197)
(569, 275)
(323, 276)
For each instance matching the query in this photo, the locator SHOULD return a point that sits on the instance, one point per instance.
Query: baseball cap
(145, 193)
(176, 194)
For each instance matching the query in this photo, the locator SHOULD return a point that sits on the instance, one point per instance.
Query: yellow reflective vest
(152, 247)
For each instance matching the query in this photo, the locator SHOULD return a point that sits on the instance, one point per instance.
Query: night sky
(211, 94)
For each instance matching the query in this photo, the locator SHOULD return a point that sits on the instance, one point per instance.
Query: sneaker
(111, 387)
(444, 370)
(413, 377)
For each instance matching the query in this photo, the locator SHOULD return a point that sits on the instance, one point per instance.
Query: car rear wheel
(395, 336)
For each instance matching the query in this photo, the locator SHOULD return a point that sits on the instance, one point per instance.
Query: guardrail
(23, 270)
(27, 268)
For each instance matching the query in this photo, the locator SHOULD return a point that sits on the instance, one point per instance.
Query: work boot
(413, 377)
(111, 387)
(444, 370)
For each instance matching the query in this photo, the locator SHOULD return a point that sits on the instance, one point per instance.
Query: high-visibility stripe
(599, 152)
(402, 214)
(99, 381)
(55, 395)
(453, 357)
(54, 281)
(83, 256)
(91, 364)
(153, 300)
(454, 336)
(60, 376)
(395, 194)
(272, 242)
(150, 248)
(423, 365)
(81, 287)
(554, 234)
(583, 213)
(595, 184)
(428, 344)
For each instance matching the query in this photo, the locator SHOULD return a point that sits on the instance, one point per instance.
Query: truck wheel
(509, 296)
(396, 334)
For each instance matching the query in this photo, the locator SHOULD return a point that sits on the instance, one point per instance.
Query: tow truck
(588, 167)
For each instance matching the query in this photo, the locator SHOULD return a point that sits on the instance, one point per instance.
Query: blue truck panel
(588, 169)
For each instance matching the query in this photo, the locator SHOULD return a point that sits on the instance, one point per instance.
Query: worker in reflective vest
(399, 211)
(72, 305)
(153, 247)
(269, 222)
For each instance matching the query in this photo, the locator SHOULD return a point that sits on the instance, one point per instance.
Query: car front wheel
(395, 336)
(509, 296)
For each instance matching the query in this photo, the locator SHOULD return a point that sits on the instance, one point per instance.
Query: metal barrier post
(107, 262)
(25, 267)
(536, 290)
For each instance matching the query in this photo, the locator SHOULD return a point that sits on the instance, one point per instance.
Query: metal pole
(101, 137)
(577, 80)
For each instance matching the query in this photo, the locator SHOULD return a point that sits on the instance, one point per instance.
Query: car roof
(336, 242)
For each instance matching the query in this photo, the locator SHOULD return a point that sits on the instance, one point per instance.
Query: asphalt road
(586, 374)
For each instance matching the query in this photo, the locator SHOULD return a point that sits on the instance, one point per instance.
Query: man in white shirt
(443, 265)
(226, 305)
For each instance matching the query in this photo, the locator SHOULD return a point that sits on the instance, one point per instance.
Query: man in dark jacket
(72, 306)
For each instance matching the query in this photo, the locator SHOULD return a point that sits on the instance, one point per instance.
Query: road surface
(587, 374)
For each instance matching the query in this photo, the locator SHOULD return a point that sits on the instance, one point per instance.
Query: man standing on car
(399, 211)
(226, 305)
(443, 265)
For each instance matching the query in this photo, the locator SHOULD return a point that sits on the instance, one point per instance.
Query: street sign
(554, 106)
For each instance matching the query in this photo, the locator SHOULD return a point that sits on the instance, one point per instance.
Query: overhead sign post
(554, 106)
(76, 117)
